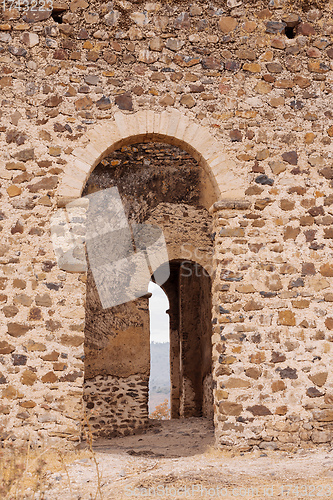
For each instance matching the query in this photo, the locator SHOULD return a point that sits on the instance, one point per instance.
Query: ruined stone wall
(258, 77)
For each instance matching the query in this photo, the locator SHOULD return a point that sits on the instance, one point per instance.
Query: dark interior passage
(189, 293)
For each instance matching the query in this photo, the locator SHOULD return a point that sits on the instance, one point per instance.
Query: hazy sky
(159, 320)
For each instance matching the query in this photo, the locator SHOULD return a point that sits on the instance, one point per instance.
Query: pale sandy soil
(178, 461)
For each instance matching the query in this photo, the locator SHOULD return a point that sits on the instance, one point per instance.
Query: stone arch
(117, 361)
(146, 125)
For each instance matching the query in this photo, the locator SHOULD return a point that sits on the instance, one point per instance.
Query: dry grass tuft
(25, 473)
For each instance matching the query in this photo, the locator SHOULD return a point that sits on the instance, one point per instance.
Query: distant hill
(159, 382)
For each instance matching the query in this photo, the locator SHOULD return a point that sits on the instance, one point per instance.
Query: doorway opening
(159, 379)
(189, 292)
(163, 186)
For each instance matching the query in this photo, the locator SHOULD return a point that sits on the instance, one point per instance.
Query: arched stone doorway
(160, 185)
(225, 183)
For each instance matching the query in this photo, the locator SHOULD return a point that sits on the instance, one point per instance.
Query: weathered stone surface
(291, 157)
(327, 172)
(167, 100)
(28, 377)
(291, 19)
(25, 155)
(252, 305)
(275, 27)
(287, 373)
(329, 323)
(253, 373)
(104, 103)
(287, 318)
(274, 67)
(263, 88)
(188, 101)
(278, 357)
(230, 408)
(83, 103)
(319, 379)
(323, 415)
(326, 270)
(124, 101)
(237, 383)
(45, 183)
(6, 348)
(273, 282)
(30, 39)
(305, 29)
(259, 410)
(235, 135)
(174, 44)
(35, 16)
(49, 377)
(278, 385)
(17, 329)
(61, 84)
(258, 358)
(321, 436)
(227, 24)
(5, 81)
(291, 233)
(43, 300)
(72, 340)
(212, 63)
(252, 67)
(313, 392)
(316, 66)
(35, 314)
(17, 51)
(264, 179)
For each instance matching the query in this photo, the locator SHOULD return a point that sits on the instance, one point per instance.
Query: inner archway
(160, 185)
(227, 181)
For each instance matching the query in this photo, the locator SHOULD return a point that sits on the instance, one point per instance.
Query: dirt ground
(177, 460)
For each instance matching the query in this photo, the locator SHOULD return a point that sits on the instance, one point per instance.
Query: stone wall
(252, 83)
(272, 334)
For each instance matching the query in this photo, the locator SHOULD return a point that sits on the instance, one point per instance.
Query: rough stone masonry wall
(262, 84)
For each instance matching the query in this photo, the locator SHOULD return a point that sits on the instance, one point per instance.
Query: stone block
(321, 436)
(230, 408)
(174, 119)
